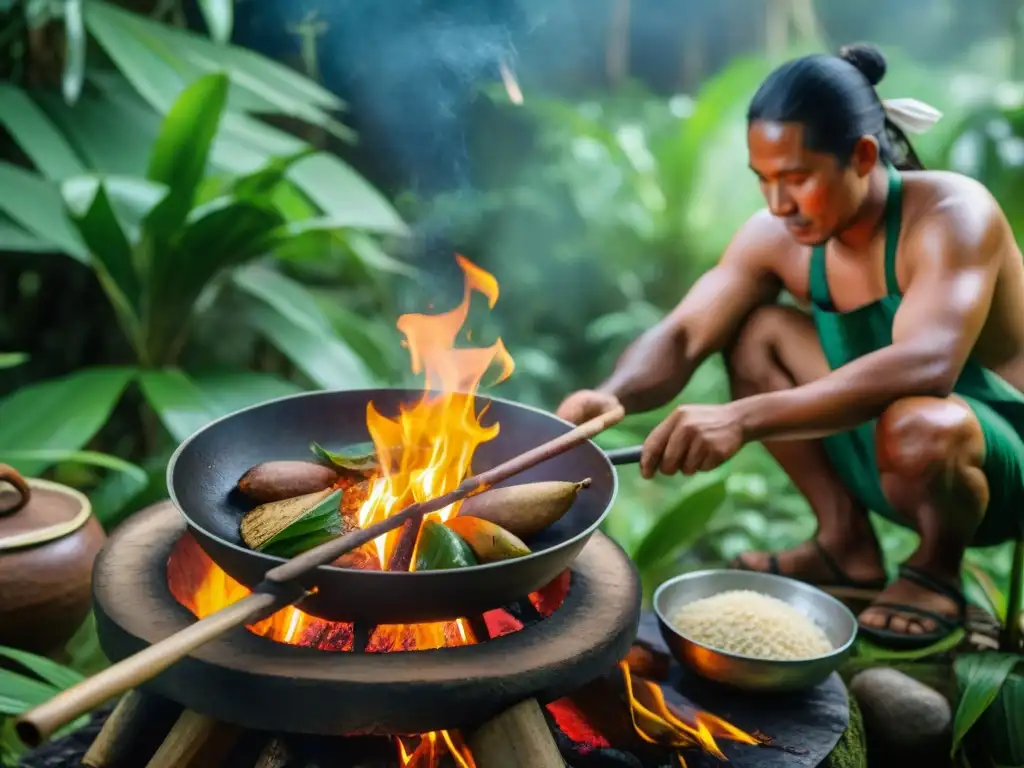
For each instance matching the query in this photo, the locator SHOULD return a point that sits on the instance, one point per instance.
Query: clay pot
(48, 541)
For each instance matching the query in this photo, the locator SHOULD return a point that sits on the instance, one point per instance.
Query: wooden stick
(517, 737)
(278, 589)
(195, 740)
(123, 725)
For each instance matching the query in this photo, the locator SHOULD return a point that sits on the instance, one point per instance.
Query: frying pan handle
(620, 456)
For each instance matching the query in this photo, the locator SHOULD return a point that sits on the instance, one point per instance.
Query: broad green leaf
(220, 18)
(158, 59)
(231, 391)
(19, 693)
(345, 197)
(111, 128)
(51, 672)
(180, 155)
(322, 357)
(36, 204)
(156, 80)
(219, 235)
(12, 359)
(37, 136)
(274, 77)
(265, 180)
(980, 677)
(62, 413)
(14, 238)
(290, 298)
(258, 98)
(16, 457)
(1000, 728)
(377, 342)
(112, 496)
(132, 199)
(83, 653)
(292, 236)
(177, 401)
(75, 43)
(89, 207)
(369, 252)
(683, 520)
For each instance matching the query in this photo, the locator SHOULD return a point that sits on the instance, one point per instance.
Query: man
(900, 391)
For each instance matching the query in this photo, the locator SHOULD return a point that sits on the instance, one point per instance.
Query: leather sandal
(947, 625)
(841, 584)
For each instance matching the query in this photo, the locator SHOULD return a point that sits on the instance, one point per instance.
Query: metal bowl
(747, 672)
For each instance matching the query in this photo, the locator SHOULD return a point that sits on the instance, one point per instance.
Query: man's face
(807, 190)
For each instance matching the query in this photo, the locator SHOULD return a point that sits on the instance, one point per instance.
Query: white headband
(911, 115)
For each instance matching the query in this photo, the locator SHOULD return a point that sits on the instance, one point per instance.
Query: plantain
(526, 509)
(489, 542)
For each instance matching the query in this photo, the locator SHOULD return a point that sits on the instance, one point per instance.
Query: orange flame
(656, 722)
(432, 748)
(426, 452)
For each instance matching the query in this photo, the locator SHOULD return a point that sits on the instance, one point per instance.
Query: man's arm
(957, 254)
(657, 366)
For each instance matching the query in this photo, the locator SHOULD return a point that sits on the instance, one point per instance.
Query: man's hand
(586, 404)
(693, 438)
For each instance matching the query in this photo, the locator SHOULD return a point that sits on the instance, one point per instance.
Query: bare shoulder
(951, 216)
(761, 243)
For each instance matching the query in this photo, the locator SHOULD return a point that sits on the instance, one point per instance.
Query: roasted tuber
(277, 480)
(526, 509)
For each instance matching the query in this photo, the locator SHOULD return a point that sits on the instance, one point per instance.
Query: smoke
(411, 71)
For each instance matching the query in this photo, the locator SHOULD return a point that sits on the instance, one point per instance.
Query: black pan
(204, 470)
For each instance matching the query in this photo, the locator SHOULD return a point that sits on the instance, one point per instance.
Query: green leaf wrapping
(360, 457)
(441, 548)
(320, 523)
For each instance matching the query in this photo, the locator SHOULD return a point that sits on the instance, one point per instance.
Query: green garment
(999, 407)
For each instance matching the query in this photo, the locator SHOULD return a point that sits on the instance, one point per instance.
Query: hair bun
(867, 58)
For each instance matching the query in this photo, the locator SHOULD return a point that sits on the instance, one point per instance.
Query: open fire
(425, 452)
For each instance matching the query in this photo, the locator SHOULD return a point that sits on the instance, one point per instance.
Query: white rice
(752, 624)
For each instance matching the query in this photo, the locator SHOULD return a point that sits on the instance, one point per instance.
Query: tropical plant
(166, 246)
(26, 681)
(110, 112)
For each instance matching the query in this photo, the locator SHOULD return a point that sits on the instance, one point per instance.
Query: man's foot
(857, 565)
(916, 610)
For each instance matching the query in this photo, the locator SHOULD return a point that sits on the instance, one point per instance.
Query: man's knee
(920, 438)
(750, 357)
